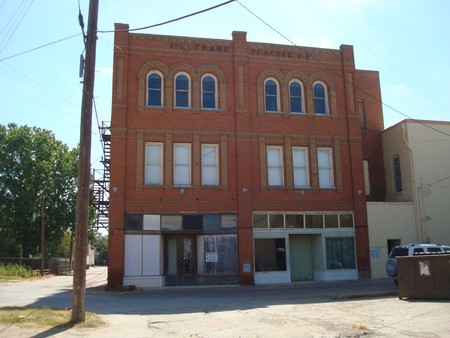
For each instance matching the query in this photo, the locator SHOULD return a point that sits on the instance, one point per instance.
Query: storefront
(293, 247)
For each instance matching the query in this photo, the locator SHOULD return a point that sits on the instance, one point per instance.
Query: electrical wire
(36, 48)
(342, 77)
(169, 21)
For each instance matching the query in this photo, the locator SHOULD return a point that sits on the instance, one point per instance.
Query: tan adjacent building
(417, 166)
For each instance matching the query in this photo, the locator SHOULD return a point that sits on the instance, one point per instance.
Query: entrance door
(180, 259)
(300, 250)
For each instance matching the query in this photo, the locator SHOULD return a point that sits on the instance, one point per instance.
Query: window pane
(296, 105)
(270, 254)
(294, 221)
(154, 81)
(324, 161)
(397, 173)
(300, 166)
(209, 101)
(154, 98)
(182, 164)
(331, 221)
(182, 82)
(295, 93)
(346, 220)
(320, 106)
(182, 99)
(314, 221)
(154, 90)
(182, 91)
(209, 92)
(276, 221)
(271, 87)
(210, 168)
(260, 221)
(271, 95)
(340, 253)
(319, 91)
(209, 85)
(153, 164)
(274, 167)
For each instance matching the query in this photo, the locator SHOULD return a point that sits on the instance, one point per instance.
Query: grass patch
(45, 318)
(14, 271)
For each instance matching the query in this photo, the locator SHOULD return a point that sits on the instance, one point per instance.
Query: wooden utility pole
(42, 237)
(84, 170)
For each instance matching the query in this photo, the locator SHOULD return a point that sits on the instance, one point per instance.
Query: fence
(56, 266)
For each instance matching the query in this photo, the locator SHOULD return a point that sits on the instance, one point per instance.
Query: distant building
(240, 162)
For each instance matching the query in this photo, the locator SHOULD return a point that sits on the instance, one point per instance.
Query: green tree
(34, 166)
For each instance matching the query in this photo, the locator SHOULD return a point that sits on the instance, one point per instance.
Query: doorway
(180, 259)
(300, 250)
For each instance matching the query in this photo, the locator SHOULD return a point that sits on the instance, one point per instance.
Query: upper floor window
(296, 97)
(275, 171)
(182, 91)
(210, 164)
(271, 95)
(320, 98)
(325, 166)
(154, 90)
(209, 92)
(397, 173)
(153, 163)
(300, 166)
(182, 164)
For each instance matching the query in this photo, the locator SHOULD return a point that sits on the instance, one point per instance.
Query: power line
(36, 48)
(341, 76)
(170, 21)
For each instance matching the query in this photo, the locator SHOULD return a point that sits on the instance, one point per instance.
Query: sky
(406, 41)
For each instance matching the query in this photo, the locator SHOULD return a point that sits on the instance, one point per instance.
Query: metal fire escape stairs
(101, 179)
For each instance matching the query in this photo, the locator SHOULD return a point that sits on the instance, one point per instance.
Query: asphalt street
(309, 309)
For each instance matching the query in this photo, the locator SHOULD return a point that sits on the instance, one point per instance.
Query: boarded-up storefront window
(218, 254)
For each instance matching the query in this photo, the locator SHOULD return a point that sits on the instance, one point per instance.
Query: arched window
(209, 92)
(296, 97)
(271, 95)
(154, 90)
(320, 98)
(182, 91)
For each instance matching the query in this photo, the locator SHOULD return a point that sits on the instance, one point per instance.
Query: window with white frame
(320, 98)
(397, 173)
(153, 163)
(182, 91)
(182, 164)
(296, 97)
(209, 92)
(325, 166)
(210, 164)
(271, 95)
(300, 166)
(154, 89)
(275, 171)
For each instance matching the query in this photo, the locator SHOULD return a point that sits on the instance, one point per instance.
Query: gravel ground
(332, 309)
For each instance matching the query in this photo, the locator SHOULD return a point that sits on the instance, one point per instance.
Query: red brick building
(240, 162)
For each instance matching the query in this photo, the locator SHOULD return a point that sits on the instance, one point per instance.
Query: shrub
(15, 270)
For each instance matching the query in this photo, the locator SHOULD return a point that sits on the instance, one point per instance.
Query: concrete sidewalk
(332, 309)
